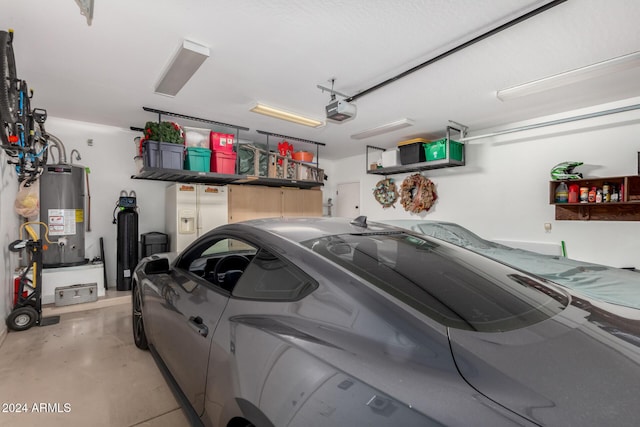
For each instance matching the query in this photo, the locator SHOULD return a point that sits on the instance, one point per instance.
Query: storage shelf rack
(627, 209)
(274, 158)
(178, 175)
(447, 162)
(181, 175)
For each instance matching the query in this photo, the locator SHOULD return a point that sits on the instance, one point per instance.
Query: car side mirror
(157, 266)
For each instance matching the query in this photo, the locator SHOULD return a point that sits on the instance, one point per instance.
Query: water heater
(62, 209)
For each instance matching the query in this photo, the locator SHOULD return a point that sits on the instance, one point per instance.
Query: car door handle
(197, 325)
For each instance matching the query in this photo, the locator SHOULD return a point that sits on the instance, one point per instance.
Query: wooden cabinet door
(253, 201)
(297, 202)
(292, 202)
(312, 203)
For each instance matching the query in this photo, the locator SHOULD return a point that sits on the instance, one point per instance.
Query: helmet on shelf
(564, 170)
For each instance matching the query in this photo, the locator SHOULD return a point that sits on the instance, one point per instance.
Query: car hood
(581, 367)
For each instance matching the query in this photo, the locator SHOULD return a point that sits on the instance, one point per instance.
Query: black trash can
(153, 242)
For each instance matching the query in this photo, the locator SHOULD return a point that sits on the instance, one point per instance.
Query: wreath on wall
(417, 193)
(386, 192)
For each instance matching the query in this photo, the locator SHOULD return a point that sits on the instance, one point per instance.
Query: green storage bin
(437, 150)
(197, 159)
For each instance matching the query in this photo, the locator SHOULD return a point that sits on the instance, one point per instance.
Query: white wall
(111, 163)
(8, 232)
(502, 193)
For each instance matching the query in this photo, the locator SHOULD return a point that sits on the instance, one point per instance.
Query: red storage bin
(221, 141)
(222, 162)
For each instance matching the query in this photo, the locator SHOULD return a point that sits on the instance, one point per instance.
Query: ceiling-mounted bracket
(331, 91)
(459, 127)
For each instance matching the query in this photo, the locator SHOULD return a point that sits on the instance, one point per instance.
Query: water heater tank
(62, 209)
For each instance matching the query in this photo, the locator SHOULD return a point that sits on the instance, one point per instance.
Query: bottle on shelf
(584, 194)
(562, 193)
(614, 193)
(573, 193)
(592, 195)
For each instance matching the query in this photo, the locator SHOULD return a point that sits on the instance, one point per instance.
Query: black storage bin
(153, 242)
(412, 151)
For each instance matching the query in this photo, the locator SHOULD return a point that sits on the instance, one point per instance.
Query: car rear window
(451, 285)
(270, 278)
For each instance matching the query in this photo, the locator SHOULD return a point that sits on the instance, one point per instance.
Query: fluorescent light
(573, 76)
(184, 64)
(285, 115)
(389, 127)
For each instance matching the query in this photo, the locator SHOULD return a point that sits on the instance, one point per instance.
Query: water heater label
(62, 222)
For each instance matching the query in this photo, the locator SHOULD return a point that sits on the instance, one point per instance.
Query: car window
(220, 261)
(271, 278)
(451, 285)
(228, 245)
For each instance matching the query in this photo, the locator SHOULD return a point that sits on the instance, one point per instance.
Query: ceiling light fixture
(609, 66)
(389, 127)
(182, 67)
(285, 115)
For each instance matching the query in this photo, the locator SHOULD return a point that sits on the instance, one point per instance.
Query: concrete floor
(84, 371)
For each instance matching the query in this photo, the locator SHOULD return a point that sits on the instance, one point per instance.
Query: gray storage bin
(163, 155)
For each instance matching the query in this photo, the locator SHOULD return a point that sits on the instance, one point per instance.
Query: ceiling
(278, 51)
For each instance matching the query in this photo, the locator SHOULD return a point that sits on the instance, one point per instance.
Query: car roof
(303, 229)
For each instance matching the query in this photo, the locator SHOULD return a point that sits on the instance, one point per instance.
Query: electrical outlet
(547, 227)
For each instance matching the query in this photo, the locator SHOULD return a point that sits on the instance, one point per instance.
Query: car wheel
(139, 336)
(22, 318)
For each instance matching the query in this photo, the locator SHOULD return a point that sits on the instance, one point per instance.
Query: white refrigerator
(192, 210)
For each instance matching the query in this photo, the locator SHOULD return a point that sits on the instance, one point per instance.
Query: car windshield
(453, 286)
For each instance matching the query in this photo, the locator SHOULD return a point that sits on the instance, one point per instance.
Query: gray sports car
(327, 322)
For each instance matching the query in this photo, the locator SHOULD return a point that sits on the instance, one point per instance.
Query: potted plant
(163, 145)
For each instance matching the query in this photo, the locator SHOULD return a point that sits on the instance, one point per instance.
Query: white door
(213, 206)
(348, 200)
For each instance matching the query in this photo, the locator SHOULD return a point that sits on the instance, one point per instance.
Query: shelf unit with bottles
(626, 209)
